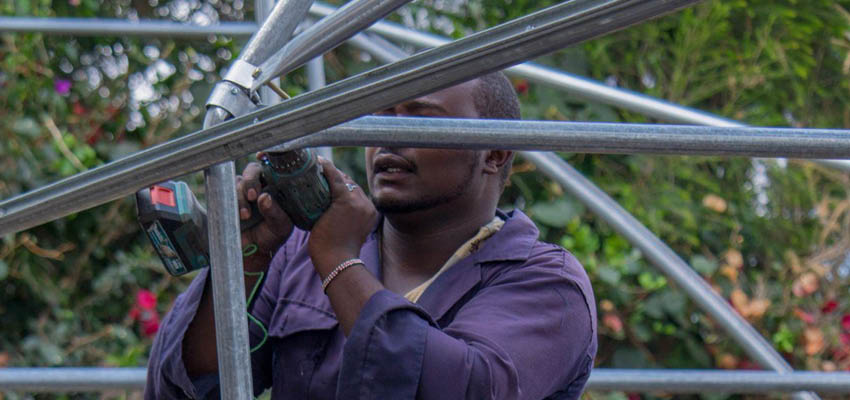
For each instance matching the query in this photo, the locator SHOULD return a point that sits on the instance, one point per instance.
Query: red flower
(144, 311)
(145, 299)
(829, 306)
(78, 108)
(845, 339)
(150, 326)
(521, 86)
(845, 322)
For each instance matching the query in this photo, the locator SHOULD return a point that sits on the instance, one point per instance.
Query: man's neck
(414, 246)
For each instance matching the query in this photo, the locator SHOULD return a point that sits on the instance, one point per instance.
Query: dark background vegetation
(769, 235)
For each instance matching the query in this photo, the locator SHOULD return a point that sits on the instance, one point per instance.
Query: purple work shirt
(514, 320)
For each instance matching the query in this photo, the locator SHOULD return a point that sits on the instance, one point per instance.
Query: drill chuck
(295, 181)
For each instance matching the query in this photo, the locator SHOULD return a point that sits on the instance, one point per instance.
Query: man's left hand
(343, 228)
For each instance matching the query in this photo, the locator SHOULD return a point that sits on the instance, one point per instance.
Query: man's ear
(494, 160)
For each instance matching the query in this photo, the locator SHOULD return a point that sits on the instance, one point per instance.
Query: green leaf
(627, 357)
(27, 127)
(608, 275)
(556, 213)
(4, 270)
(703, 265)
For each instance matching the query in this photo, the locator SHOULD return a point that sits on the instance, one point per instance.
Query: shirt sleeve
(167, 376)
(528, 334)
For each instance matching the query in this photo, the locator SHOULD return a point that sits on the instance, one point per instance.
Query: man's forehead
(456, 100)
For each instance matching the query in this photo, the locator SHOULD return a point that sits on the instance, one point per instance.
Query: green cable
(251, 317)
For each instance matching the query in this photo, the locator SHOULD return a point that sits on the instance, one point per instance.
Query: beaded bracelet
(339, 268)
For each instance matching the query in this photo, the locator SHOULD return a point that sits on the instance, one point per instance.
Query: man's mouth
(392, 164)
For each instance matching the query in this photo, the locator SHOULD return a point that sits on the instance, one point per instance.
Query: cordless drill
(176, 223)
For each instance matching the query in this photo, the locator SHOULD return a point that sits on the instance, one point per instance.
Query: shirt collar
(513, 242)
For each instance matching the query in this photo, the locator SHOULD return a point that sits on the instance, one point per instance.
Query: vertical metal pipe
(228, 284)
(316, 81)
(228, 281)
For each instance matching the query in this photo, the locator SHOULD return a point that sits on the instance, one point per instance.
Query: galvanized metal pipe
(74, 379)
(529, 36)
(316, 81)
(582, 87)
(71, 379)
(581, 137)
(228, 284)
(324, 35)
(283, 16)
(717, 381)
(123, 27)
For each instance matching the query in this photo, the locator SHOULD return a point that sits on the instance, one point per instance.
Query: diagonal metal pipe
(324, 35)
(491, 50)
(665, 259)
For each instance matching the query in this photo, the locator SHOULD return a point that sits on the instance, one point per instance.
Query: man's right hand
(276, 226)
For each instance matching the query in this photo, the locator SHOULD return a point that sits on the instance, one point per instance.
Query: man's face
(403, 180)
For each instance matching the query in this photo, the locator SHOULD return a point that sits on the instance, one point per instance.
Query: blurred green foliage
(771, 236)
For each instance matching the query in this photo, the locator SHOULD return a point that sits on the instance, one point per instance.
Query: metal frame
(644, 380)
(509, 43)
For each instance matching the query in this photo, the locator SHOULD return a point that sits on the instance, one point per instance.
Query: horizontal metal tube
(581, 87)
(74, 379)
(71, 379)
(712, 381)
(582, 137)
(123, 27)
(526, 37)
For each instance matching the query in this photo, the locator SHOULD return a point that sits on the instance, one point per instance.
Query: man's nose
(387, 150)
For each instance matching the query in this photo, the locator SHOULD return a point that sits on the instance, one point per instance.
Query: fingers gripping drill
(175, 222)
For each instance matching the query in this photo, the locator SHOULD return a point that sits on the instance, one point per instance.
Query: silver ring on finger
(350, 186)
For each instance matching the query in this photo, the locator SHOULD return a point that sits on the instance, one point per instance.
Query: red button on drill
(162, 195)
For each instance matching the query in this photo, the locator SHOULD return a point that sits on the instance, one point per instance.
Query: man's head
(403, 180)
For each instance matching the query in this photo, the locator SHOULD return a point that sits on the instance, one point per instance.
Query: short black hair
(494, 97)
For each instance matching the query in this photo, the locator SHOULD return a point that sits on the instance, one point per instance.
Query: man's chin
(390, 207)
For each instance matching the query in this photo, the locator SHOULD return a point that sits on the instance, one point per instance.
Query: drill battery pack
(175, 223)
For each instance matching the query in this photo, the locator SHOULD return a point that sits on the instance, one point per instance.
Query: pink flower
(845, 322)
(145, 299)
(62, 86)
(845, 339)
(144, 312)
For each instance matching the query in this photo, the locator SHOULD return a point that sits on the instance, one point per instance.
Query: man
(425, 291)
